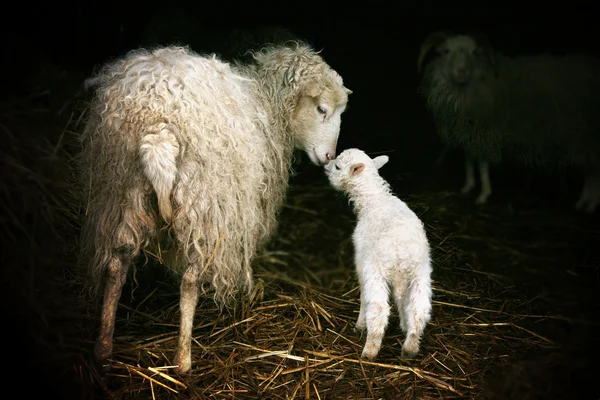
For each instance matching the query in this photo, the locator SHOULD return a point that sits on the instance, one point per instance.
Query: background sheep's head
(457, 59)
(350, 165)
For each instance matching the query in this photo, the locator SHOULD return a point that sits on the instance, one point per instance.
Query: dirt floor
(515, 287)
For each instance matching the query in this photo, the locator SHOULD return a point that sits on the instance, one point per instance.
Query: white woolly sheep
(190, 155)
(539, 110)
(391, 252)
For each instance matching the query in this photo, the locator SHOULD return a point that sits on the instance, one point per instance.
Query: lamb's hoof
(410, 348)
(369, 354)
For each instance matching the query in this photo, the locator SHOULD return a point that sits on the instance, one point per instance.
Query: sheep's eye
(321, 110)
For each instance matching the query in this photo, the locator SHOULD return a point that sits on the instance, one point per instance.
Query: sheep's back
(227, 176)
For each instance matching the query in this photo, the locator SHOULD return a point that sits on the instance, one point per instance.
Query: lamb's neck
(365, 191)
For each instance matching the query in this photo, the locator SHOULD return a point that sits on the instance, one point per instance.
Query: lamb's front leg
(361, 321)
(377, 311)
(187, 306)
(486, 183)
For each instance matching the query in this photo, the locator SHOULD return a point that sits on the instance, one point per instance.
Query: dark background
(374, 46)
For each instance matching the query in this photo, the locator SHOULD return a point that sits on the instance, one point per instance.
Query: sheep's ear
(313, 89)
(357, 169)
(381, 161)
(430, 43)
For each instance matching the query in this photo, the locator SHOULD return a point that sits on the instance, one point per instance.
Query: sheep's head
(317, 116)
(350, 166)
(459, 58)
(313, 92)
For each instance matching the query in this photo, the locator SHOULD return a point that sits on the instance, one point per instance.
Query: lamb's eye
(337, 167)
(321, 110)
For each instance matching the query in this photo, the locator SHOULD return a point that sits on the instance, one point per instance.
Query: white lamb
(391, 252)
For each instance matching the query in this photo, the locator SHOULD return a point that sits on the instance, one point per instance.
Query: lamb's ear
(381, 161)
(357, 169)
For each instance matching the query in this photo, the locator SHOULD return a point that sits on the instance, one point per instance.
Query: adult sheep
(189, 153)
(538, 110)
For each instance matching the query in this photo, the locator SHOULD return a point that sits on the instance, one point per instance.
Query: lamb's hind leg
(116, 275)
(187, 306)
(417, 312)
(590, 193)
(377, 312)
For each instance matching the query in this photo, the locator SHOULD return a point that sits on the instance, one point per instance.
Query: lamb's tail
(159, 149)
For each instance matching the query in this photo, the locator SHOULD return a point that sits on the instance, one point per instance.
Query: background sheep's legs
(590, 193)
(377, 312)
(417, 312)
(469, 176)
(486, 184)
(116, 275)
(187, 306)
(441, 158)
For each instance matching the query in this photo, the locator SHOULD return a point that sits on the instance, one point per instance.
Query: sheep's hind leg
(590, 193)
(486, 184)
(116, 275)
(187, 306)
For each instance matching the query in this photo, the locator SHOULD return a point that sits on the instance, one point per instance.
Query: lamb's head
(457, 60)
(315, 98)
(351, 166)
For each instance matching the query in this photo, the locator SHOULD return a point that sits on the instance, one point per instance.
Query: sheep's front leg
(469, 176)
(486, 184)
(377, 312)
(187, 306)
(590, 193)
(116, 275)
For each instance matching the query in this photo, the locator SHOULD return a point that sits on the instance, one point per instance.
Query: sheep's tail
(159, 149)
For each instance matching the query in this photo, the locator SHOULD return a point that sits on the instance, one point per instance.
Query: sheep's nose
(462, 72)
(329, 156)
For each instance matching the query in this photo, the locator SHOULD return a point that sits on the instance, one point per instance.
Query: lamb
(538, 110)
(187, 157)
(391, 252)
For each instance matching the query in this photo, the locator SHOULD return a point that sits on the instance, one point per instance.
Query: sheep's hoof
(466, 189)
(183, 362)
(588, 207)
(482, 199)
